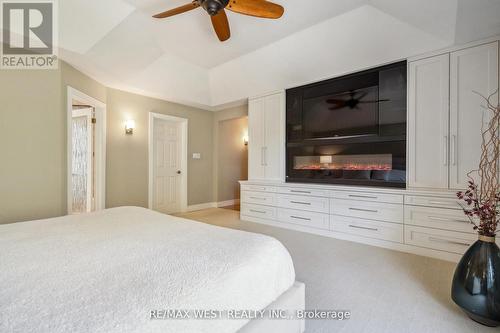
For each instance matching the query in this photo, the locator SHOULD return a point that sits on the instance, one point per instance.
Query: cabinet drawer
(368, 210)
(362, 196)
(440, 202)
(300, 202)
(374, 229)
(259, 198)
(264, 212)
(259, 188)
(440, 218)
(309, 219)
(303, 191)
(450, 241)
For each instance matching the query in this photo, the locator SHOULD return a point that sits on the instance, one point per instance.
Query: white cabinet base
(413, 221)
(448, 256)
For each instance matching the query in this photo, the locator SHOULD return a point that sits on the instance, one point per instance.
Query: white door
(428, 120)
(274, 136)
(167, 166)
(256, 148)
(82, 163)
(472, 70)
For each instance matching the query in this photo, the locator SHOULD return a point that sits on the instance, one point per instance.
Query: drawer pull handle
(257, 198)
(435, 218)
(300, 218)
(257, 211)
(365, 228)
(438, 202)
(364, 210)
(362, 196)
(440, 240)
(297, 191)
(301, 203)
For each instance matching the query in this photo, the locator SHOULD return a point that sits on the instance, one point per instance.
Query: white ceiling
(180, 58)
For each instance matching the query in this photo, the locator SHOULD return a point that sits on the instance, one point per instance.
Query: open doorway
(232, 160)
(86, 153)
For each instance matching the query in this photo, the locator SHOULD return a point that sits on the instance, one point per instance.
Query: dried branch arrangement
(482, 197)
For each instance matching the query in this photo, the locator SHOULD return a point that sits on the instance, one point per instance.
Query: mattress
(111, 270)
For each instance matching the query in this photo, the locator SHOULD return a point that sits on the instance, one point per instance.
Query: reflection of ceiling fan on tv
(216, 10)
(355, 98)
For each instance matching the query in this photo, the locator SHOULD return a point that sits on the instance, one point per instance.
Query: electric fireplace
(350, 130)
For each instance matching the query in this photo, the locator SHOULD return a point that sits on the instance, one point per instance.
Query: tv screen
(351, 113)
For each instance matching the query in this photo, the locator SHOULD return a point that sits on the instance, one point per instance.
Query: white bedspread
(105, 272)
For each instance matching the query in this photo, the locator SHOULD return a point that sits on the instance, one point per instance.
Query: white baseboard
(228, 203)
(201, 206)
(208, 205)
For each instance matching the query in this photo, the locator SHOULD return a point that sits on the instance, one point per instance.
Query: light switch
(196, 156)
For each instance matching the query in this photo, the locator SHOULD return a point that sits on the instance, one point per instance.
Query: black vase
(476, 283)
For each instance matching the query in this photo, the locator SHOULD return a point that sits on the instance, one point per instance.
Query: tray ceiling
(180, 58)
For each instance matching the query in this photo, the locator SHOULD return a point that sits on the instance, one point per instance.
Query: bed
(116, 270)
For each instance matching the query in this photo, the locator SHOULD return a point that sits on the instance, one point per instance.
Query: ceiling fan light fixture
(213, 6)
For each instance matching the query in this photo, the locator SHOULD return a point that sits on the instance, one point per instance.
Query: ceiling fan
(216, 10)
(355, 98)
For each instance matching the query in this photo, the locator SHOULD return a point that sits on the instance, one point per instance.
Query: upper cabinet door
(274, 150)
(472, 70)
(256, 133)
(428, 119)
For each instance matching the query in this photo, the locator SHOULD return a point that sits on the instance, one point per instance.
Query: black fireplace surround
(349, 130)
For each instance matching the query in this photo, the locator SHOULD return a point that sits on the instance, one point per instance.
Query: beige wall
(127, 155)
(32, 145)
(230, 154)
(76, 79)
(33, 140)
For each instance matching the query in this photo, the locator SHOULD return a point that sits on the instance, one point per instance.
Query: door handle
(262, 156)
(445, 144)
(179, 172)
(454, 150)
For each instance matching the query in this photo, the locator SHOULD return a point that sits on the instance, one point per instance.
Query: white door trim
(184, 159)
(100, 144)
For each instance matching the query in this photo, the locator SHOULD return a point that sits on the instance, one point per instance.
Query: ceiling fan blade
(258, 8)
(377, 101)
(221, 25)
(178, 10)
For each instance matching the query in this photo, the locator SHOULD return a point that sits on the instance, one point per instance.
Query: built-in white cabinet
(266, 137)
(428, 122)
(472, 71)
(445, 115)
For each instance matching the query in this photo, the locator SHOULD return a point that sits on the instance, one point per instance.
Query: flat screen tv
(345, 114)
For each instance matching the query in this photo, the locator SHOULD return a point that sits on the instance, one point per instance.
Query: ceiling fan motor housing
(213, 6)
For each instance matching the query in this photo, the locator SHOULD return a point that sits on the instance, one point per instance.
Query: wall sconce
(129, 127)
(245, 139)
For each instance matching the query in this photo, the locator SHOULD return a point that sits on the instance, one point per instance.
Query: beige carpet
(386, 291)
